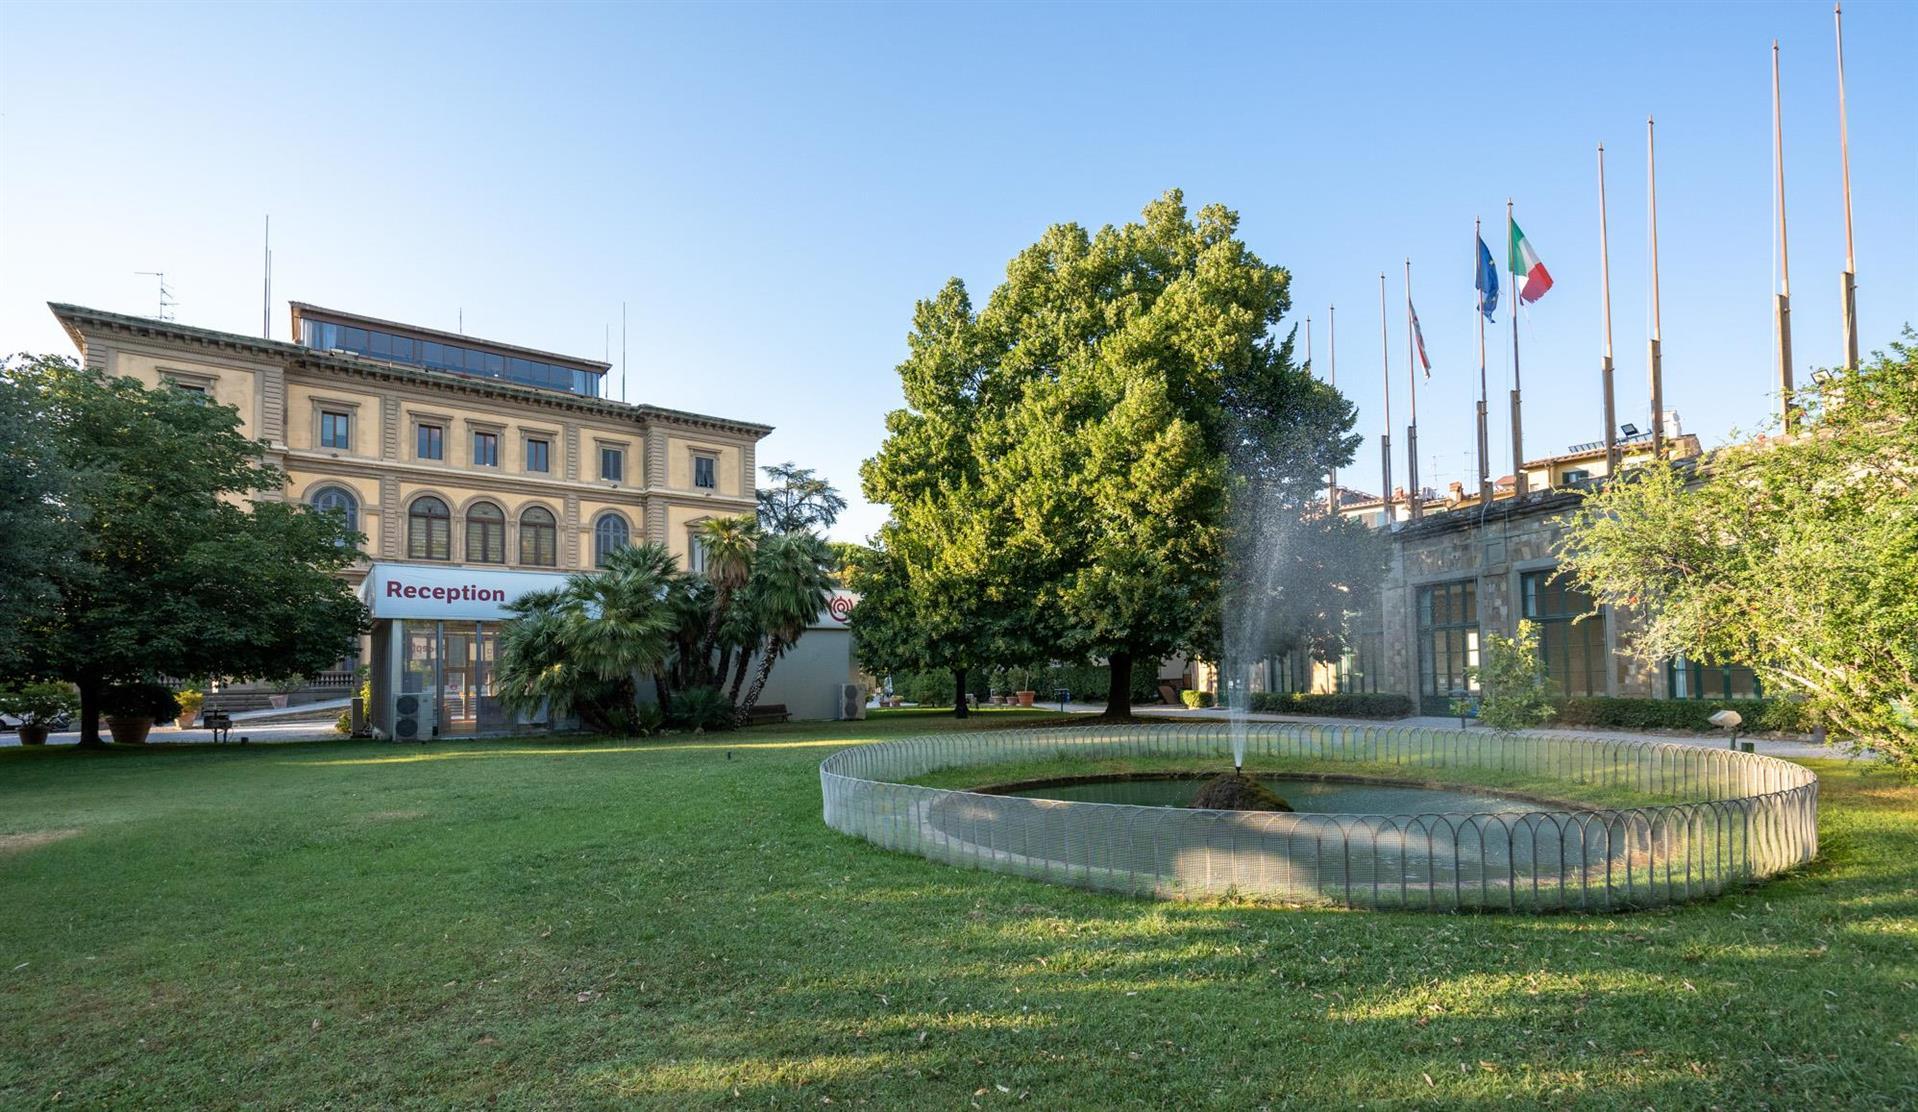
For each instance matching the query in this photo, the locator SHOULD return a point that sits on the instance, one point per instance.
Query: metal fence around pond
(1714, 818)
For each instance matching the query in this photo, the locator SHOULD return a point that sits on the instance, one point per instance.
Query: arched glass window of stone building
(609, 534)
(429, 530)
(485, 534)
(538, 538)
(337, 500)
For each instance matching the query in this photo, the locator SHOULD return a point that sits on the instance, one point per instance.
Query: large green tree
(34, 525)
(1155, 398)
(1795, 555)
(797, 500)
(940, 589)
(1071, 457)
(168, 561)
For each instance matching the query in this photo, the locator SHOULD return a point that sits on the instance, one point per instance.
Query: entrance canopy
(472, 594)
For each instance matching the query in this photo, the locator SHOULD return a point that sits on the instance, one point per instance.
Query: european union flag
(1487, 281)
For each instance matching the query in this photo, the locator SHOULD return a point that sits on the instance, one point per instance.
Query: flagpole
(1655, 367)
(1784, 253)
(1332, 355)
(1484, 443)
(1416, 506)
(1385, 380)
(1605, 284)
(1518, 426)
(1844, 155)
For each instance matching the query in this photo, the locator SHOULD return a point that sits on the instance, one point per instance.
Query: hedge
(1088, 683)
(1680, 714)
(1344, 705)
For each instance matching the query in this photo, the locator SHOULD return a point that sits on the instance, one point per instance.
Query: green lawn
(670, 923)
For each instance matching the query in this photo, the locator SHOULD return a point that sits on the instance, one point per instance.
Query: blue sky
(770, 188)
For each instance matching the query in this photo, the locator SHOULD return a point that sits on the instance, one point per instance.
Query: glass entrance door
(459, 682)
(1448, 643)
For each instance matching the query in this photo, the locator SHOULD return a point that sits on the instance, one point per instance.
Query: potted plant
(997, 686)
(283, 691)
(133, 709)
(191, 700)
(1022, 677)
(38, 708)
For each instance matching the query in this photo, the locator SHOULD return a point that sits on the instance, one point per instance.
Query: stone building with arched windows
(476, 471)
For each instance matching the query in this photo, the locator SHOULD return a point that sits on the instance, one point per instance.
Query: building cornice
(76, 318)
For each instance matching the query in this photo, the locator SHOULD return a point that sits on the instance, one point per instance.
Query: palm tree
(729, 544)
(582, 647)
(792, 579)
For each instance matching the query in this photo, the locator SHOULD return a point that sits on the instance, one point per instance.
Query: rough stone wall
(1493, 553)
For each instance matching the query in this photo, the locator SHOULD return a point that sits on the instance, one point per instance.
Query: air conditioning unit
(852, 702)
(413, 717)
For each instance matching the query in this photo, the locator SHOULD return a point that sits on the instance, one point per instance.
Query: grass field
(669, 923)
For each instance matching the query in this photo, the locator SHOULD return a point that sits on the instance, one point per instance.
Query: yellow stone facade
(281, 391)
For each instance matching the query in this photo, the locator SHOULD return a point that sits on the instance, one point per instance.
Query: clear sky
(770, 188)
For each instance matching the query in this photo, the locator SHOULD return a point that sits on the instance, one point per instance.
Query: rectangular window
(538, 456)
(485, 449)
(1688, 679)
(612, 464)
(432, 442)
(1572, 652)
(705, 472)
(1447, 642)
(336, 430)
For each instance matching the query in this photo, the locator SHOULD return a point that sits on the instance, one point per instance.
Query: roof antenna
(266, 296)
(462, 320)
(167, 301)
(622, 351)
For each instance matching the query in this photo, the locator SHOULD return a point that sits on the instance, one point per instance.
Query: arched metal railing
(1714, 819)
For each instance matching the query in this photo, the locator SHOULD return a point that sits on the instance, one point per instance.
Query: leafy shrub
(140, 700)
(931, 688)
(699, 708)
(1680, 714)
(1349, 704)
(1515, 695)
(191, 699)
(1092, 683)
(1195, 699)
(38, 703)
(648, 719)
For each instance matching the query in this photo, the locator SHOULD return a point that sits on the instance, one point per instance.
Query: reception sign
(416, 591)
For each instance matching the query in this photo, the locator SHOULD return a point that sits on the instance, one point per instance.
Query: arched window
(485, 534)
(429, 530)
(538, 537)
(609, 534)
(337, 500)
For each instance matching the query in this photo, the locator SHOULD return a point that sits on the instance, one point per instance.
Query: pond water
(1304, 794)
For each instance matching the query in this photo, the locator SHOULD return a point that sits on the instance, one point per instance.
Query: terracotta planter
(129, 731)
(1026, 697)
(279, 700)
(33, 735)
(186, 721)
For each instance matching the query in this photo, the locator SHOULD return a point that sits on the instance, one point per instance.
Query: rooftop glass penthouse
(330, 330)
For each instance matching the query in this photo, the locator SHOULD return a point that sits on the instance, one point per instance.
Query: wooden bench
(767, 714)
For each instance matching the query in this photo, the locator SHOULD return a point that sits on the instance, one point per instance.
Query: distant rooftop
(333, 330)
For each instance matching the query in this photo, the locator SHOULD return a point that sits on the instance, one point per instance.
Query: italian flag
(1531, 277)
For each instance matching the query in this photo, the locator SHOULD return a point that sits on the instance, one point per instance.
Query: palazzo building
(476, 470)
